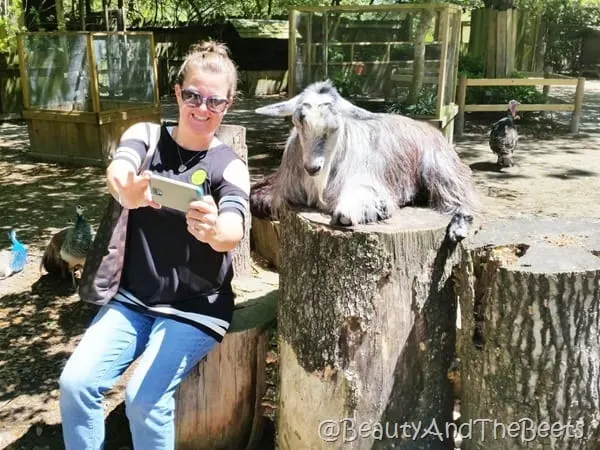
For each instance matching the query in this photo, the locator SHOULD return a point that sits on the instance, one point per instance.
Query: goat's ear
(350, 109)
(281, 109)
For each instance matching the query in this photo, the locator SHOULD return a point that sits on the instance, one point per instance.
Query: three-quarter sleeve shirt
(167, 271)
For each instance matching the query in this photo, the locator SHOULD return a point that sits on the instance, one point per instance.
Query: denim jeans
(116, 337)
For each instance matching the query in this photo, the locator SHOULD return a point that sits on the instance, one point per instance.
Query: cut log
(529, 340)
(366, 331)
(219, 405)
(235, 137)
(265, 240)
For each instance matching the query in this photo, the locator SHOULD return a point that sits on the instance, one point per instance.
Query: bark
(235, 137)
(529, 343)
(219, 405)
(265, 240)
(366, 329)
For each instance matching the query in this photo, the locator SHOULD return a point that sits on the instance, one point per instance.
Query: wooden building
(82, 90)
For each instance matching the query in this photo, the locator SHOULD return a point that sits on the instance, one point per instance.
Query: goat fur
(360, 166)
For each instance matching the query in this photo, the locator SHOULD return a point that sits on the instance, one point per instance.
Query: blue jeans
(116, 337)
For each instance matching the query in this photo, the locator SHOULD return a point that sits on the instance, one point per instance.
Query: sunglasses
(194, 100)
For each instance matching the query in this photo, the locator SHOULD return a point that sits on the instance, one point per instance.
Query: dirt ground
(557, 175)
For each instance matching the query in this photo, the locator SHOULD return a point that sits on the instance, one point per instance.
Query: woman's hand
(201, 218)
(133, 191)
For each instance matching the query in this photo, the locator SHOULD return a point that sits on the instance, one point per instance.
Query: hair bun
(210, 47)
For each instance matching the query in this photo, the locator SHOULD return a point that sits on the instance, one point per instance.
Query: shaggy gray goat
(360, 166)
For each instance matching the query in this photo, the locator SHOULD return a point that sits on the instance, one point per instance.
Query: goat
(360, 166)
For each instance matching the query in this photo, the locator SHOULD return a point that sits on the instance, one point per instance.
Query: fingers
(121, 185)
(205, 205)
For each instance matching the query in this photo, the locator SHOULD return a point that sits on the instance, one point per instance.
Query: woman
(175, 300)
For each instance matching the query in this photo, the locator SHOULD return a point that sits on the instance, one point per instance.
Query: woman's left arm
(222, 226)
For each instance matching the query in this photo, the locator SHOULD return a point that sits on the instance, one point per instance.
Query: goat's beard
(321, 179)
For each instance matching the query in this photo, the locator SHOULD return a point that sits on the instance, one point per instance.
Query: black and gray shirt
(167, 272)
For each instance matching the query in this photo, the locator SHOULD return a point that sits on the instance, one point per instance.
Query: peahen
(504, 136)
(67, 250)
(12, 261)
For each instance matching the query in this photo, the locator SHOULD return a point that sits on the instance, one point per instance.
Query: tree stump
(366, 328)
(219, 405)
(235, 137)
(265, 240)
(529, 340)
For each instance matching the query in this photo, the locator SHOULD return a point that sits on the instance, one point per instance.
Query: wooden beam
(61, 116)
(522, 107)
(93, 75)
(444, 18)
(293, 21)
(154, 70)
(521, 82)
(24, 73)
(374, 8)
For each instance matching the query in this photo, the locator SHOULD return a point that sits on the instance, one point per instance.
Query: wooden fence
(575, 107)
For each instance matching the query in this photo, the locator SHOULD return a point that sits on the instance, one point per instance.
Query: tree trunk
(218, 406)
(366, 328)
(235, 137)
(529, 342)
(61, 25)
(423, 27)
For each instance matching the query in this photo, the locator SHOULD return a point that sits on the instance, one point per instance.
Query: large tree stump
(264, 240)
(529, 340)
(235, 137)
(219, 405)
(366, 329)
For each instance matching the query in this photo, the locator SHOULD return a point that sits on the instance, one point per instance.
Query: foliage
(471, 66)
(9, 28)
(566, 20)
(425, 105)
(348, 83)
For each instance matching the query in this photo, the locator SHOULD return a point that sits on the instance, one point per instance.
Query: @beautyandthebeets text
(524, 429)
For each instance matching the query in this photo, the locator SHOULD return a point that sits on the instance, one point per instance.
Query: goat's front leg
(362, 204)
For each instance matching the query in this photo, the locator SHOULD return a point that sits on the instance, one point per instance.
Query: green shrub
(425, 105)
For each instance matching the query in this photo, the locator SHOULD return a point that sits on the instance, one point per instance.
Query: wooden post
(547, 74)
(461, 100)
(576, 118)
(292, 52)
(529, 340)
(93, 74)
(24, 73)
(365, 330)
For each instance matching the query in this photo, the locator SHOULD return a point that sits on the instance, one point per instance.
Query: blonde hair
(210, 56)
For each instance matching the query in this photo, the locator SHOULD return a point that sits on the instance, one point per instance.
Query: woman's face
(203, 101)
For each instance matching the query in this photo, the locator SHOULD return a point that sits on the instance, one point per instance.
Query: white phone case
(173, 193)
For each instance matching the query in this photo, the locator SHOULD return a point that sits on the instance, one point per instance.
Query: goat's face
(317, 113)
(317, 122)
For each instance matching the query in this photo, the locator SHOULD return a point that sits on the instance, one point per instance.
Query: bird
(12, 261)
(67, 250)
(51, 261)
(504, 136)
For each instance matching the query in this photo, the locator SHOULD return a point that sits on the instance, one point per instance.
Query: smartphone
(173, 193)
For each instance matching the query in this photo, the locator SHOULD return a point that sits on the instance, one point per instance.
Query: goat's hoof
(340, 220)
(458, 229)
